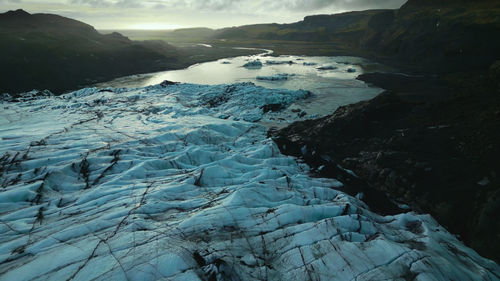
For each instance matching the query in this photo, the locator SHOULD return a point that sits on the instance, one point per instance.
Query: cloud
(196, 5)
(245, 5)
(217, 4)
(294, 5)
(93, 3)
(335, 5)
(190, 13)
(109, 3)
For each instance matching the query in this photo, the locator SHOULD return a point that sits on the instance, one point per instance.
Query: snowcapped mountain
(180, 182)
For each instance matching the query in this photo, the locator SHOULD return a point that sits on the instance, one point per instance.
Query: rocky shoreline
(426, 144)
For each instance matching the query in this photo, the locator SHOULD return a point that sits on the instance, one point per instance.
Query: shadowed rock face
(437, 157)
(329, 140)
(441, 36)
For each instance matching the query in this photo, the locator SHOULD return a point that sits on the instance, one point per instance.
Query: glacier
(181, 182)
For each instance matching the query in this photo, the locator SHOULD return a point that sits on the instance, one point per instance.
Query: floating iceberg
(309, 63)
(351, 70)
(277, 77)
(149, 184)
(326, 67)
(253, 64)
(278, 62)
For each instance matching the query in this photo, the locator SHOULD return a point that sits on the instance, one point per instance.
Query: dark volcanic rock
(327, 141)
(439, 158)
(272, 107)
(410, 87)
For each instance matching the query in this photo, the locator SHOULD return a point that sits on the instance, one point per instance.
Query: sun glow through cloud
(154, 26)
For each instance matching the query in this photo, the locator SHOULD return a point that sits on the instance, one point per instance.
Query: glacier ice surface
(180, 182)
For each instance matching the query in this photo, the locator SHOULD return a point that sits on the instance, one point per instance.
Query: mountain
(45, 51)
(190, 34)
(439, 35)
(423, 36)
(319, 28)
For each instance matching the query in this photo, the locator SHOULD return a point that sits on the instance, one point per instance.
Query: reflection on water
(331, 79)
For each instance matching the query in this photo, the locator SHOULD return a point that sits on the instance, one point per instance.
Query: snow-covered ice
(180, 182)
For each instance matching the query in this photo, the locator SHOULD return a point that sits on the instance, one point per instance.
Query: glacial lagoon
(332, 80)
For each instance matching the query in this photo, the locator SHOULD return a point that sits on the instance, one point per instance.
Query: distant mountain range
(438, 36)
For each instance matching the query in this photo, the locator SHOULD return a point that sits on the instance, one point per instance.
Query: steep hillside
(44, 51)
(320, 28)
(439, 35)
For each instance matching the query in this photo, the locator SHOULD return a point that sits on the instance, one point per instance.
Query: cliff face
(440, 36)
(44, 51)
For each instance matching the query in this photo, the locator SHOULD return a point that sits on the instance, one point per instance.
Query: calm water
(332, 87)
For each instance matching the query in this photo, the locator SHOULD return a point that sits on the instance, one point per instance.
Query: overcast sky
(168, 14)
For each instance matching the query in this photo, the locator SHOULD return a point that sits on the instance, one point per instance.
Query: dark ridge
(45, 51)
(17, 13)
